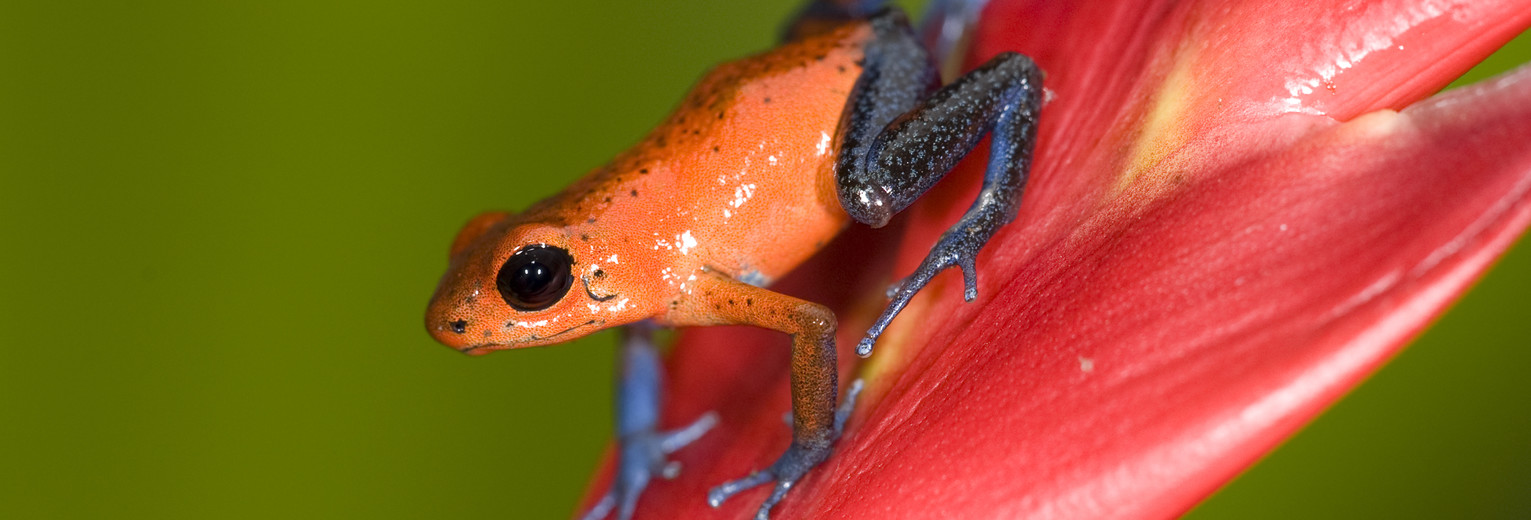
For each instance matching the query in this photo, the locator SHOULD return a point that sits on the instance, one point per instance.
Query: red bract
(1228, 226)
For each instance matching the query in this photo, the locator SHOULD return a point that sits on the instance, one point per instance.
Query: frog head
(517, 282)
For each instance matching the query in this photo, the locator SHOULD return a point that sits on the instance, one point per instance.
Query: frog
(768, 158)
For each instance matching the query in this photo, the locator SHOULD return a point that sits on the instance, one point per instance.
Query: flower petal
(1130, 373)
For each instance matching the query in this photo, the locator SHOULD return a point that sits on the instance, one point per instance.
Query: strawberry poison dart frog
(766, 160)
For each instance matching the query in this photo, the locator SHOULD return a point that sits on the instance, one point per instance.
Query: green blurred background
(221, 221)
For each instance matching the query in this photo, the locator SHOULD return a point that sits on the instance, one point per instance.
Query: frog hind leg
(893, 149)
(643, 448)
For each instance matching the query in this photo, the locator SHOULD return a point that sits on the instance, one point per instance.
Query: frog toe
(644, 456)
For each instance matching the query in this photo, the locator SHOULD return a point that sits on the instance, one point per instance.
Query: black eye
(535, 277)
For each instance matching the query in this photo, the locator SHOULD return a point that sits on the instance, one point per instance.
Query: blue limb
(947, 28)
(643, 449)
(792, 465)
(888, 162)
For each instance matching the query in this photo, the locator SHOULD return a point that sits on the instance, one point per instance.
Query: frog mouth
(533, 339)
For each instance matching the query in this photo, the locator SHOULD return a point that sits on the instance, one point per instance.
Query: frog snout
(451, 331)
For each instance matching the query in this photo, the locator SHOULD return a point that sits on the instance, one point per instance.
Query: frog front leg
(893, 148)
(717, 299)
(642, 448)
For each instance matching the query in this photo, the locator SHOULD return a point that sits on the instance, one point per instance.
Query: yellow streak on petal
(1374, 124)
(1162, 132)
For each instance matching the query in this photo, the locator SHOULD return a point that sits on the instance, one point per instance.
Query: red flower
(1238, 210)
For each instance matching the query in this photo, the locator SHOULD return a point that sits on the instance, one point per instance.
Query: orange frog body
(738, 182)
(765, 161)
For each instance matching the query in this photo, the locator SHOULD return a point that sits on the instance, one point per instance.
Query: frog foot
(644, 456)
(958, 247)
(791, 466)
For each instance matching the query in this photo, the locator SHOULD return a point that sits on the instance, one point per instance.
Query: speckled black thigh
(898, 139)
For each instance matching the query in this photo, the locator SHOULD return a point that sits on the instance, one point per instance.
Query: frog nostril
(459, 326)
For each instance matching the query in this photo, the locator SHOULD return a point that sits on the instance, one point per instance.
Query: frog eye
(535, 277)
